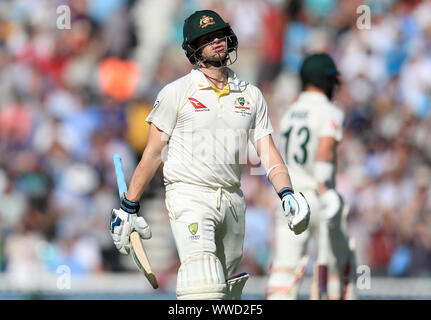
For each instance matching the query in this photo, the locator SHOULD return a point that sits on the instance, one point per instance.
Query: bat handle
(121, 180)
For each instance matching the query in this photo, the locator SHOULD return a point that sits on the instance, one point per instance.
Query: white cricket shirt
(209, 129)
(308, 119)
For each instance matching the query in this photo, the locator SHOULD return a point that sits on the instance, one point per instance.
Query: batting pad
(201, 277)
(284, 282)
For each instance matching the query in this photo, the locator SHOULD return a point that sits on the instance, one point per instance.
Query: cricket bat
(137, 249)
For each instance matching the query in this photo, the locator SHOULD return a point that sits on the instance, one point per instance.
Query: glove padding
(121, 224)
(332, 203)
(297, 211)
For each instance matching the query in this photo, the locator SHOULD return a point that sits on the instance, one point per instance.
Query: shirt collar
(202, 82)
(199, 79)
(233, 81)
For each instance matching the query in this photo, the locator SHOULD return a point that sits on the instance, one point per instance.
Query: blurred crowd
(71, 96)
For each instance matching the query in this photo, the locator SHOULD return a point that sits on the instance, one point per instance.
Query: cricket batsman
(205, 120)
(312, 128)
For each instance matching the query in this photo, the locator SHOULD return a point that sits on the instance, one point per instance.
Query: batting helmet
(320, 70)
(202, 23)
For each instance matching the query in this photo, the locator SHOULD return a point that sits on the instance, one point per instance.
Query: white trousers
(207, 220)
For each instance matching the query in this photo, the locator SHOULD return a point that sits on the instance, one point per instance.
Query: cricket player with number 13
(312, 127)
(205, 203)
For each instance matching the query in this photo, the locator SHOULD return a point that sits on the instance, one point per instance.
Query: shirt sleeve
(262, 125)
(333, 124)
(164, 113)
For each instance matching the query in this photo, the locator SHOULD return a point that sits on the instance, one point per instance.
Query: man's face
(213, 46)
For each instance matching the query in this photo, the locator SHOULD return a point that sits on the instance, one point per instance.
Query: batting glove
(332, 203)
(125, 220)
(296, 209)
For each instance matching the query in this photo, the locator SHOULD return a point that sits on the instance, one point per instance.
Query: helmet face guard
(194, 55)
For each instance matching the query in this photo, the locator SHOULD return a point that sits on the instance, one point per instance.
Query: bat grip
(121, 180)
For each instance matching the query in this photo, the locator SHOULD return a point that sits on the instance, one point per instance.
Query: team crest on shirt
(193, 228)
(206, 21)
(242, 106)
